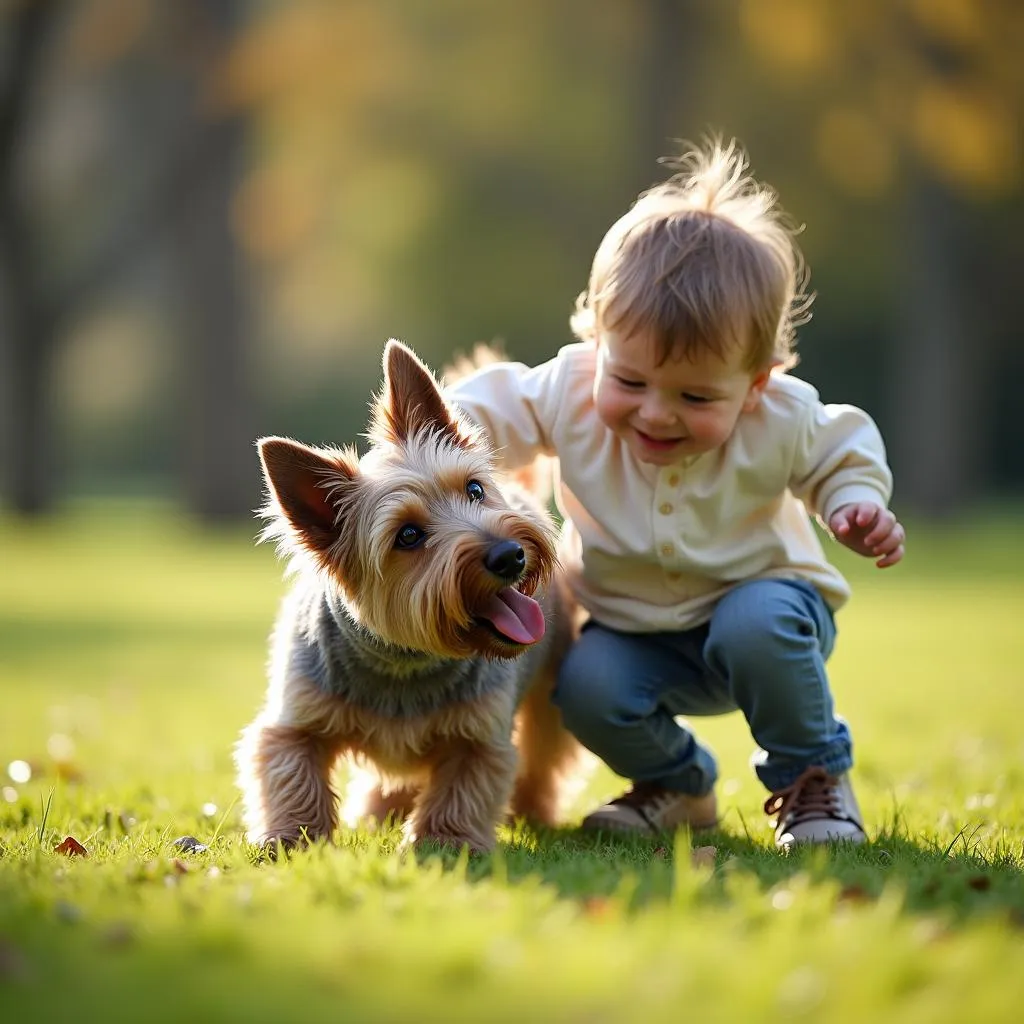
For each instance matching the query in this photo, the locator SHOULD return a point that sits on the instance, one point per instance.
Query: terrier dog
(422, 635)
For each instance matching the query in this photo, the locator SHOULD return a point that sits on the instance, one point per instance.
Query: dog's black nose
(506, 559)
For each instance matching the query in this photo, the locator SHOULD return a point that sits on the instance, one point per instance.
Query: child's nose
(657, 409)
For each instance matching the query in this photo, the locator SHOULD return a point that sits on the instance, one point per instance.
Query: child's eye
(409, 536)
(475, 491)
(630, 383)
(695, 399)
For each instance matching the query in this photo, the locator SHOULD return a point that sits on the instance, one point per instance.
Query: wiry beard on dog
(453, 590)
(413, 630)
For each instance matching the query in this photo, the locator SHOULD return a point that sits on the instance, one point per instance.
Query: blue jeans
(763, 652)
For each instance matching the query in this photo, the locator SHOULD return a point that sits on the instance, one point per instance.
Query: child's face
(678, 409)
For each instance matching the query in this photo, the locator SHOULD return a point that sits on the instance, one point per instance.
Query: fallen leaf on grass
(597, 906)
(71, 847)
(179, 866)
(703, 856)
(854, 894)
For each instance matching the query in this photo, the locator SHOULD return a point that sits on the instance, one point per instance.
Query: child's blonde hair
(702, 262)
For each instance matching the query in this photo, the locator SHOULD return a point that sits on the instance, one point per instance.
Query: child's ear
(411, 401)
(312, 487)
(756, 389)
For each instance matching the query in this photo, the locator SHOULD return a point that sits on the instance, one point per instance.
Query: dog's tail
(483, 354)
(539, 477)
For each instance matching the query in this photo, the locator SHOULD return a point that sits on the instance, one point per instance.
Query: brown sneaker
(650, 808)
(817, 808)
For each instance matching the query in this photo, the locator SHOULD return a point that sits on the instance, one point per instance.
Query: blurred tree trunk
(667, 80)
(219, 462)
(939, 444)
(188, 188)
(27, 329)
(938, 374)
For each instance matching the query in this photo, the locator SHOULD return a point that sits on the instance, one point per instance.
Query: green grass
(131, 654)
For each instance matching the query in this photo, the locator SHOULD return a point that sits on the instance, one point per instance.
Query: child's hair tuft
(704, 260)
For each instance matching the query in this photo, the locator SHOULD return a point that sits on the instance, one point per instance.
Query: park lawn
(132, 647)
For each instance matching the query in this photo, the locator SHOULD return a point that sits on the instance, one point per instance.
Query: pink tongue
(515, 615)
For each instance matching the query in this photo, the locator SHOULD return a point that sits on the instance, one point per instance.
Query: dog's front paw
(431, 840)
(271, 847)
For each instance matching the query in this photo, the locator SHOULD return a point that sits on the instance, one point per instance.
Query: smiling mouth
(663, 443)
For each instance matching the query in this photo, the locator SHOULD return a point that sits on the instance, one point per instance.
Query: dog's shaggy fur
(421, 638)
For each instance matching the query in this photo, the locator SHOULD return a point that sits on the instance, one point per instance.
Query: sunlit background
(213, 213)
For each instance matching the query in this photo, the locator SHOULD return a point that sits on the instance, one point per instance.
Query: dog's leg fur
(396, 802)
(356, 628)
(547, 750)
(467, 793)
(284, 774)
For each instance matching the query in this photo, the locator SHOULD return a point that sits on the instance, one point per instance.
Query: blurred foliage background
(213, 213)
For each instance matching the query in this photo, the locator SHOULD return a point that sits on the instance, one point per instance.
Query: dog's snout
(506, 559)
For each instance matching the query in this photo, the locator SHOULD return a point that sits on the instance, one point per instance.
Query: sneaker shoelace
(812, 797)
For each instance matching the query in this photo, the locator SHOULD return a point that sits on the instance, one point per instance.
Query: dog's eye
(475, 490)
(408, 536)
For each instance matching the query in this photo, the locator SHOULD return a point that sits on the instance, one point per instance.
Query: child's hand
(869, 530)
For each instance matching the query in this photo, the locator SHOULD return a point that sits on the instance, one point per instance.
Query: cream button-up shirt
(651, 548)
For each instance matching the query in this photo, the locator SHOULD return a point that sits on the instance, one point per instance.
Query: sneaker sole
(614, 826)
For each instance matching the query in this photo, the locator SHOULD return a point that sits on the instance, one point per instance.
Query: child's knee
(759, 622)
(590, 691)
(580, 697)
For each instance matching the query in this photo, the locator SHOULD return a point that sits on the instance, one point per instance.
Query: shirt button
(675, 577)
(665, 508)
(667, 549)
(673, 480)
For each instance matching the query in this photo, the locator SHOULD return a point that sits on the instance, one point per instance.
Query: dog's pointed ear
(411, 401)
(311, 487)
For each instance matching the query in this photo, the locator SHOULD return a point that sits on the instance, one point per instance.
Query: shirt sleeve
(516, 405)
(839, 459)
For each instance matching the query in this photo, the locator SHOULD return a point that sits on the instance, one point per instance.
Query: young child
(690, 463)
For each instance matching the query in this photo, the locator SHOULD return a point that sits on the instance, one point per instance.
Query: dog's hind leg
(547, 753)
(284, 775)
(368, 796)
(398, 803)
